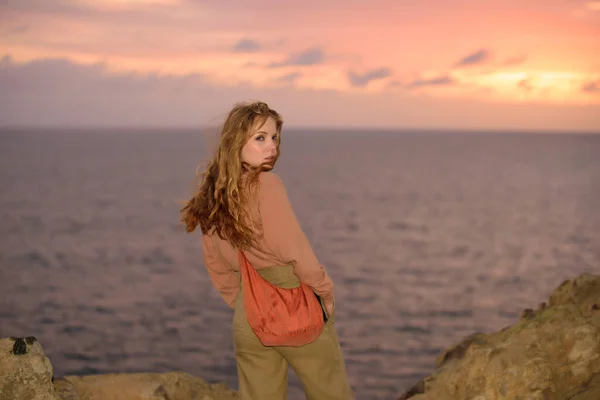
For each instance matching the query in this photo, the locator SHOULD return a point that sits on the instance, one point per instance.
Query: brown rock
(458, 351)
(415, 390)
(589, 391)
(141, 386)
(553, 353)
(25, 373)
(527, 313)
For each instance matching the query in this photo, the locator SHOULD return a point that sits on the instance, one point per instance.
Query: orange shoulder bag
(279, 316)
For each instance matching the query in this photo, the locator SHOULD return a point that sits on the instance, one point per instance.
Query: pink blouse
(283, 242)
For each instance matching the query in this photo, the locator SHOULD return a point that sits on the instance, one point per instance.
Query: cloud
(55, 7)
(128, 18)
(525, 85)
(67, 7)
(312, 56)
(57, 91)
(360, 80)
(443, 80)
(591, 87)
(593, 5)
(477, 57)
(516, 60)
(395, 84)
(246, 45)
(14, 29)
(291, 77)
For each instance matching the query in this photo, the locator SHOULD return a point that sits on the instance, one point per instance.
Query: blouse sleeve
(225, 279)
(284, 236)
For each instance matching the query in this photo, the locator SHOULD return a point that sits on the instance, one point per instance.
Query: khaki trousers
(263, 371)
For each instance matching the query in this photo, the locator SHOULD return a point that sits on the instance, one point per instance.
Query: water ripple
(452, 235)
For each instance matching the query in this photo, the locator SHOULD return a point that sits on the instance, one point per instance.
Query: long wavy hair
(221, 200)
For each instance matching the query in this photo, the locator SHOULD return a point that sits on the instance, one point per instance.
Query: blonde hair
(221, 199)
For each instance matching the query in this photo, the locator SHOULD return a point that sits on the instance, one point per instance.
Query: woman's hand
(329, 306)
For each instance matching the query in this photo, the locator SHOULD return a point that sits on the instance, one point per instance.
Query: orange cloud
(593, 5)
(66, 93)
(523, 55)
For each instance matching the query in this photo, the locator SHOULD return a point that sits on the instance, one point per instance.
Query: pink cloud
(357, 48)
(59, 92)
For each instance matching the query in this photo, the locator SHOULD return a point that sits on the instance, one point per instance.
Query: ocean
(428, 236)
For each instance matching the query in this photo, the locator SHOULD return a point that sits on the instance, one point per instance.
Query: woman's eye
(260, 138)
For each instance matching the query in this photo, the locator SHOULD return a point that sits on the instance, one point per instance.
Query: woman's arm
(285, 237)
(225, 280)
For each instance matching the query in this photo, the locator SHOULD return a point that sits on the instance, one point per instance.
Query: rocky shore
(552, 352)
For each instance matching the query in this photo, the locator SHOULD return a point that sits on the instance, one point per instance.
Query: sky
(428, 64)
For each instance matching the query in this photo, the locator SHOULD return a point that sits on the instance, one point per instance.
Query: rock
(25, 372)
(414, 391)
(141, 386)
(551, 353)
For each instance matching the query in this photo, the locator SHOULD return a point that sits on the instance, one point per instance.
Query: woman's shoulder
(271, 188)
(269, 180)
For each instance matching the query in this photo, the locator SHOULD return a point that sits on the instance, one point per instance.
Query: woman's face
(261, 147)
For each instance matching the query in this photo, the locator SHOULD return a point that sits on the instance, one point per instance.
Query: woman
(240, 204)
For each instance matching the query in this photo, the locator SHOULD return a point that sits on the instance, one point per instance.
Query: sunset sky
(463, 64)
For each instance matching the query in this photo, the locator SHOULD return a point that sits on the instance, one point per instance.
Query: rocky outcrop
(142, 386)
(26, 374)
(550, 353)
